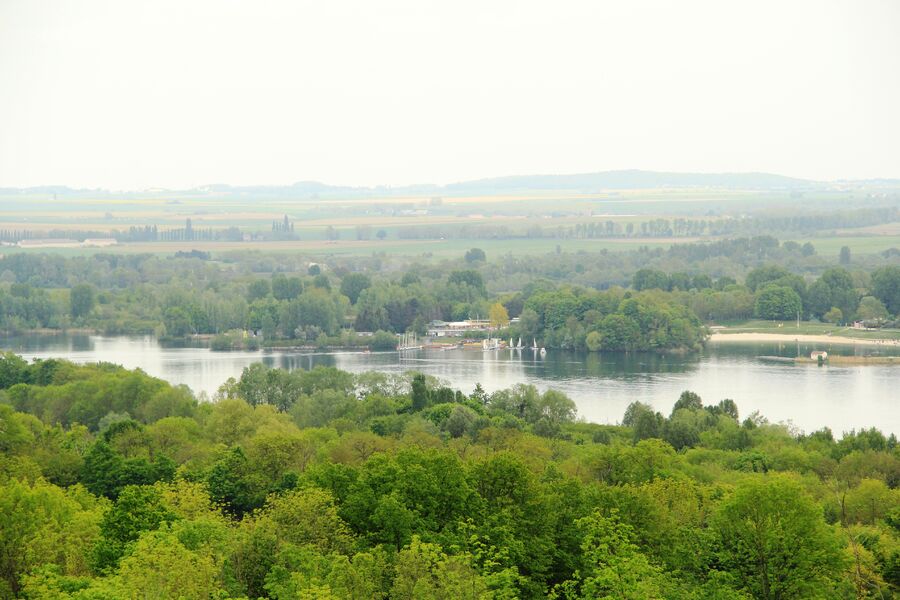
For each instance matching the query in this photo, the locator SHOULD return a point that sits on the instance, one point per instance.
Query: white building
(99, 242)
(455, 328)
(49, 243)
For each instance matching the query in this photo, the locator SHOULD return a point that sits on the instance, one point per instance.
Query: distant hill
(634, 179)
(578, 182)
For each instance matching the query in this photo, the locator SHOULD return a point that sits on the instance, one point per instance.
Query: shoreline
(724, 337)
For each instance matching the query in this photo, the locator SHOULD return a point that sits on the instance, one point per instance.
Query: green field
(826, 246)
(437, 248)
(509, 216)
(831, 246)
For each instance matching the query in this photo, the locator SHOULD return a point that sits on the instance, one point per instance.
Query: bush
(220, 343)
(384, 340)
(835, 315)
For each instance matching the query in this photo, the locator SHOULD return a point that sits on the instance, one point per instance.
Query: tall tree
(777, 302)
(845, 255)
(498, 316)
(886, 287)
(615, 568)
(352, 285)
(419, 392)
(774, 540)
(833, 289)
(81, 300)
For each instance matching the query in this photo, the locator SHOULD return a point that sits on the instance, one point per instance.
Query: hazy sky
(135, 94)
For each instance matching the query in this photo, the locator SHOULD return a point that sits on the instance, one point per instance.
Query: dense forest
(642, 300)
(324, 484)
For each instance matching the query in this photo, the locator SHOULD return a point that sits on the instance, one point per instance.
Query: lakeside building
(454, 328)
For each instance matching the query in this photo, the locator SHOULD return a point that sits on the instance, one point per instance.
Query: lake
(602, 385)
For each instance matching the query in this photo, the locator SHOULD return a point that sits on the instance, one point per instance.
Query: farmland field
(831, 246)
(367, 247)
(351, 222)
(826, 246)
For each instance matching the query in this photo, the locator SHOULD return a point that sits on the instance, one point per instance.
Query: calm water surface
(602, 385)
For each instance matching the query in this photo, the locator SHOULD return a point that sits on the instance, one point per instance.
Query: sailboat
(534, 345)
(519, 345)
(490, 344)
(408, 341)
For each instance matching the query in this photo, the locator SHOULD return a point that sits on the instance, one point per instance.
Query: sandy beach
(718, 336)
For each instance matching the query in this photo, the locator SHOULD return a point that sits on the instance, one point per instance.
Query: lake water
(602, 385)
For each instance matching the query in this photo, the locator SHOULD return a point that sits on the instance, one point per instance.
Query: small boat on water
(534, 345)
(519, 345)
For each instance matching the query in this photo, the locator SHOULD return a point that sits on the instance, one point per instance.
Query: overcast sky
(129, 94)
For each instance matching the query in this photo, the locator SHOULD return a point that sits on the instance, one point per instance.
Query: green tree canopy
(777, 302)
(81, 300)
(775, 541)
(352, 285)
(886, 287)
(475, 255)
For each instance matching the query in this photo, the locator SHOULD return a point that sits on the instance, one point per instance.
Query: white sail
(490, 344)
(409, 341)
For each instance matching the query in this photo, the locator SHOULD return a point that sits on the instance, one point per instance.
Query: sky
(126, 94)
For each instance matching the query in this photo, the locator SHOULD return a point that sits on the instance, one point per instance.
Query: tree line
(836, 296)
(271, 299)
(325, 484)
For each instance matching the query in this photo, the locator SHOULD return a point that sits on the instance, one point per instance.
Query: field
(498, 223)
(445, 248)
(831, 246)
(436, 248)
